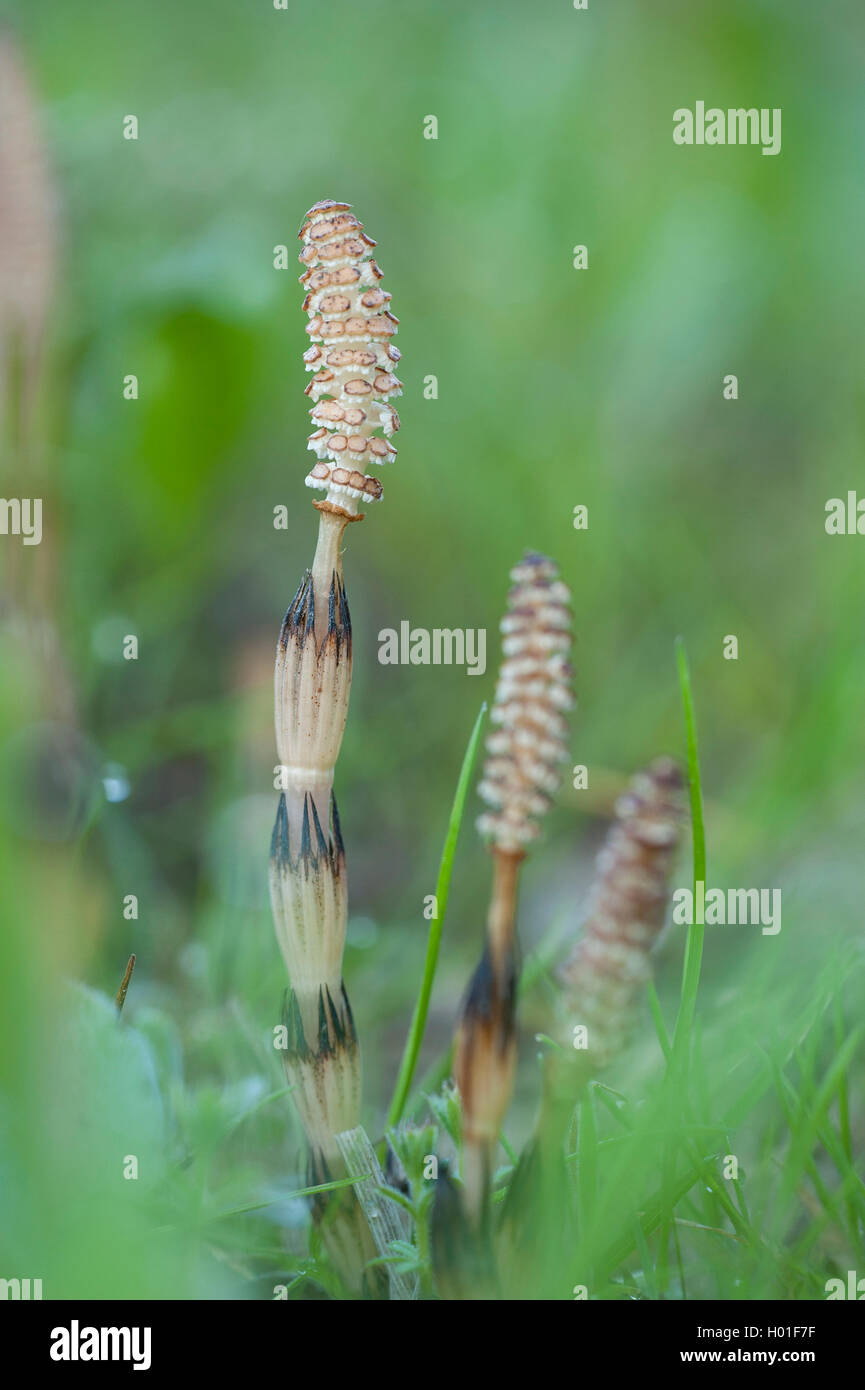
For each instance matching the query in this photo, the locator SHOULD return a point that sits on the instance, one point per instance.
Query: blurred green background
(556, 387)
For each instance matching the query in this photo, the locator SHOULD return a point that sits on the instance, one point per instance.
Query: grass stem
(419, 1017)
(694, 944)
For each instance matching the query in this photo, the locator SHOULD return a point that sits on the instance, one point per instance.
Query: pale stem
(501, 919)
(328, 559)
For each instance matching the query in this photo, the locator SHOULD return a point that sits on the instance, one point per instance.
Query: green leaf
(418, 1023)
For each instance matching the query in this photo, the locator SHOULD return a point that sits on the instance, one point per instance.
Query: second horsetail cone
(520, 776)
(532, 695)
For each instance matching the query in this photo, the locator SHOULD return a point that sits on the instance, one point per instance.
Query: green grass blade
(419, 1017)
(290, 1196)
(694, 945)
(658, 1020)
